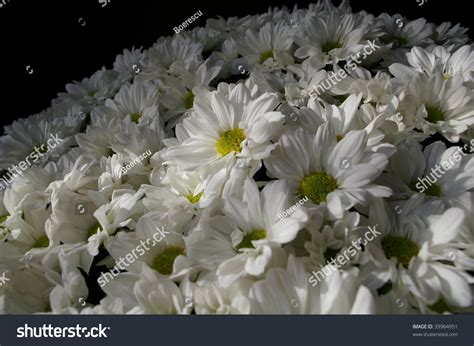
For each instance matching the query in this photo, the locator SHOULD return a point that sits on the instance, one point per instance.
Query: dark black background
(48, 36)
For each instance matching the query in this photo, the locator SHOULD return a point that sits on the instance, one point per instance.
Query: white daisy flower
(142, 294)
(28, 240)
(247, 239)
(307, 78)
(21, 296)
(167, 52)
(345, 118)
(268, 45)
(150, 249)
(449, 34)
(34, 143)
(338, 175)
(432, 104)
(122, 211)
(437, 172)
(197, 188)
(157, 196)
(221, 127)
(412, 33)
(411, 252)
(287, 291)
(459, 63)
(333, 239)
(124, 63)
(137, 101)
(71, 292)
(209, 297)
(228, 55)
(179, 92)
(91, 91)
(330, 37)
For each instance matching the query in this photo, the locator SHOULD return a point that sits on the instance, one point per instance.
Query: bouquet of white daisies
(312, 161)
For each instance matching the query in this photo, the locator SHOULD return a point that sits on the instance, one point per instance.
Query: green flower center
(135, 117)
(109, 152)
(434, 190)
(194, 198)
(402, 41)
(265, 55)
(93, 230)
(434, 114)
(230, 141)
(43, 149)
(329, 46)
(446, 76)
(329, 254)
(339, 99)
(246, 242)
(440, 306)
(163, 263)
(401, 248)
(339, 137)
(189, 100)
(317, 186)
(42, 241)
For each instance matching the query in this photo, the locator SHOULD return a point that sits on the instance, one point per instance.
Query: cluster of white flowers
(238, 137)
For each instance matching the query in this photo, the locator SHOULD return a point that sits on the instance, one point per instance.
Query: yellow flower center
(246, 242)
(163, 263)
(194, 198)
(136, 117)
(230, 141)
(265, 55)
(329, 46)
(401, 248)
(42, 241)
(317, 186)
(434, 114)
(189, 100)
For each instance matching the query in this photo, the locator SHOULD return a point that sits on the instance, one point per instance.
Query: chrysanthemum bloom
(413, 252)
(248, 238)
(433, 104)
(224, 126)
(254, 181)
(334, 174)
